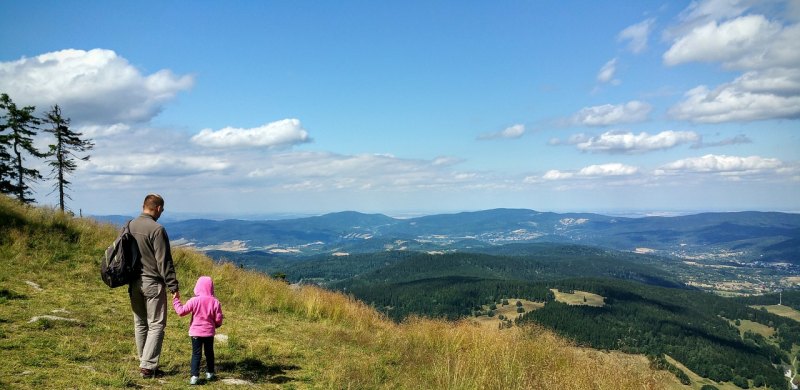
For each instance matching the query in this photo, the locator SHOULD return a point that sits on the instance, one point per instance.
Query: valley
(726, 253)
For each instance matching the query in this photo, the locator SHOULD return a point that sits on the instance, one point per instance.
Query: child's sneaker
(193, 380)
(210, 376)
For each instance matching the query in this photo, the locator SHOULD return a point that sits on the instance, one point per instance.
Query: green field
(579, 298)
(755, 327)
(783, 311)
(508, 311)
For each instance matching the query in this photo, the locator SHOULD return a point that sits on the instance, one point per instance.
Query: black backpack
(120, 263)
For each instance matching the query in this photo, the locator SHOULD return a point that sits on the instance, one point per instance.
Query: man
(148, 293)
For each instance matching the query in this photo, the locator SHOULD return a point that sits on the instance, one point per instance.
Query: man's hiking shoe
(193, 380)
(148, 373)
(210, 376)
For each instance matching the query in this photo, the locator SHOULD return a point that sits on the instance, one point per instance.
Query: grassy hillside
(279, 336)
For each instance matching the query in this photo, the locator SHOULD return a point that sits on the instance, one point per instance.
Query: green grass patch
(578, 298)
(755, 327)
(781, 310)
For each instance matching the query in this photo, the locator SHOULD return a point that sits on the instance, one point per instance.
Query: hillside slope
(61, 327)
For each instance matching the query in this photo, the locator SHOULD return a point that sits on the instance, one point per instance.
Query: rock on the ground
(51, 318)
(233, 381)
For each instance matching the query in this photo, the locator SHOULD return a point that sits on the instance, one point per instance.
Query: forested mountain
(693, 327)
(743, 236)
(646, 310)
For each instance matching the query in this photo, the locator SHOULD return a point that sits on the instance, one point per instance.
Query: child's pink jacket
(205, 308)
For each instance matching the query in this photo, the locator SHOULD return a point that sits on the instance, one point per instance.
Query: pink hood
(205, 308)
(204, 287)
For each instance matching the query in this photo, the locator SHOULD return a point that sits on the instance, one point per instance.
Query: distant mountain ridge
(748, 236)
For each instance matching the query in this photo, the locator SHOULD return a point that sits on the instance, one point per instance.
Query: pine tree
(7, 176)
(18, 129)
(62, 153)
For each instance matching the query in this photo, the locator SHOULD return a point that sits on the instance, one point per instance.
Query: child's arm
(218, 316)
(181, 310)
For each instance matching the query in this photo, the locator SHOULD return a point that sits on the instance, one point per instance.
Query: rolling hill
(742, 236)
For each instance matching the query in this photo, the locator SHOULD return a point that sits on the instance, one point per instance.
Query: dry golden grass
(279, 336)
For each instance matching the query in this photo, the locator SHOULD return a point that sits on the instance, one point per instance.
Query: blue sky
(243, 107)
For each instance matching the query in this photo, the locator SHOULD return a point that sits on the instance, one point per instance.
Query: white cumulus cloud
(277, 134)
(747, 42)
(511, 132)
(611, 169)
(764, 46)
(609, 114)
(92, 87)
(756, 95)
(637, 35)
(628, 142)
(721, 164)
(592, 172)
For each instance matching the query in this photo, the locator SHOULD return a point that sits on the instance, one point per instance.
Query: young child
(206, 318)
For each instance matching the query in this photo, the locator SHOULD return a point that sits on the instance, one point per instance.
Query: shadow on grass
(255, 370)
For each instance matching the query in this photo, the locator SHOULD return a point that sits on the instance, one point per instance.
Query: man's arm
(164, 260)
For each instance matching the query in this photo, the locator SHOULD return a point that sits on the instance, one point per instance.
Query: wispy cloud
(155, 164)
(610, 114)
(331, 171)
(737, 140)
(94, 87)
(511, 132)
(637, 35)
(606, 73)
(277, 134)
(235, 169)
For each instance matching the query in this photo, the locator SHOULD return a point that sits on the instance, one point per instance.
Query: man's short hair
(152, 201)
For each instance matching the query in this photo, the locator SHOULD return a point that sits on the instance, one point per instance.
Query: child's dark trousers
(205, 345)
